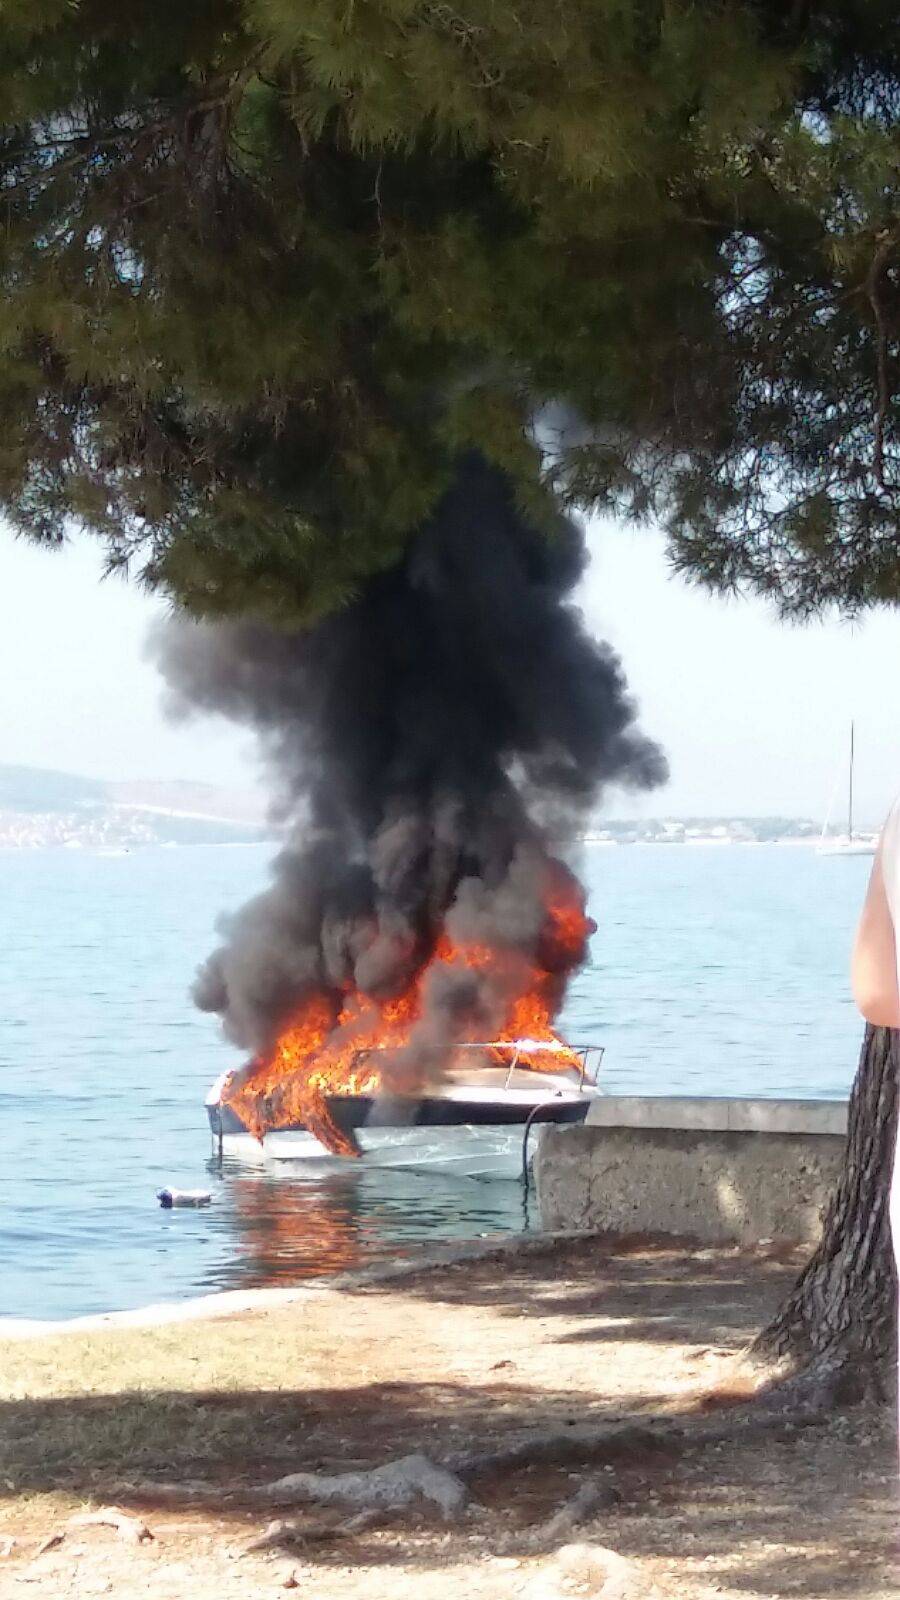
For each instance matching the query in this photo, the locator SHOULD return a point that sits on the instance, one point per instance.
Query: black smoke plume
(424, 740)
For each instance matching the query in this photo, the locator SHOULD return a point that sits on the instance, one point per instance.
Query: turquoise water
(715, 970)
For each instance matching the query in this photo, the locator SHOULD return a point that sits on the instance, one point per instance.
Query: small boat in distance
(850, 843)
(473, 1121)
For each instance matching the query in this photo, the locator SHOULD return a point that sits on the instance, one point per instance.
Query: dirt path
(437, 1362)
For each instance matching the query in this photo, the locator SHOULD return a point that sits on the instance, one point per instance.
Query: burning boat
(436, 742)
(392, 1077)
(473, 1120)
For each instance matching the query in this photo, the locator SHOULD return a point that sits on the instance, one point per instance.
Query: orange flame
(328, 1049)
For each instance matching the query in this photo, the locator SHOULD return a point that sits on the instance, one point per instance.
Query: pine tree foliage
(267, 268)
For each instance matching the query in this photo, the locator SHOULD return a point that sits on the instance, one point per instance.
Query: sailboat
(849, 843)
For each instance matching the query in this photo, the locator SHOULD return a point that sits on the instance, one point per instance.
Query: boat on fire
(474, 1120)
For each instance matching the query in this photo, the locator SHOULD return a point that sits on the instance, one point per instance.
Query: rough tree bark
(837, 1325)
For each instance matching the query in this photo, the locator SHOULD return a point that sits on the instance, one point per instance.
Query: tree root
(391, 1487)
(52, 1542)
(593, 1496)
(275, 1536)
(282, 1534)
(130, 1528)
(794, 1402)
(781, 1406)
(167, 1493)
(579, 1444)
(127, 1527)
(824, 1381)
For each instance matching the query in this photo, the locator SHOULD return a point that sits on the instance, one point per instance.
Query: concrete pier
(719, 1170)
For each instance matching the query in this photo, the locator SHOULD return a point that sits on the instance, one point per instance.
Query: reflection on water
(286, 1230)
(283, 1226)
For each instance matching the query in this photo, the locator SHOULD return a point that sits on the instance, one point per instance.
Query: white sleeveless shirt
(890, 871)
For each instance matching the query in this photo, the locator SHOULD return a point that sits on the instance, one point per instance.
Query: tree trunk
(839, 1320)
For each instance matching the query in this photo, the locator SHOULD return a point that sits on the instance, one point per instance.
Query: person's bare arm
(874, 967)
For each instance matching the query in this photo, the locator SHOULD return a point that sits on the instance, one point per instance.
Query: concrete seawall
(728, 1170)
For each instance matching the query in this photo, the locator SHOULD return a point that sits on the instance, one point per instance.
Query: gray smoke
(421, 739)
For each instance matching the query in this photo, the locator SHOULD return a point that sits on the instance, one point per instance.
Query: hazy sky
(754, 714)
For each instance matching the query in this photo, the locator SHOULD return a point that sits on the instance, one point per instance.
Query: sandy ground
(434, 1362)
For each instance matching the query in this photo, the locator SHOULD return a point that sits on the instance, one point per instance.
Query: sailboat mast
(850, 797)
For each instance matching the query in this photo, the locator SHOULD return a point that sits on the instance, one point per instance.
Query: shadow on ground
(643, 1288)
(517, 1343)
(776, 1519)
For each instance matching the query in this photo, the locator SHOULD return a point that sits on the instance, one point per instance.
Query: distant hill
(42, 807)
(185, 799)
(41, 789)
(44, 789)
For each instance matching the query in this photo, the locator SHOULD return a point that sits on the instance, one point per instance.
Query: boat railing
(589, 1056)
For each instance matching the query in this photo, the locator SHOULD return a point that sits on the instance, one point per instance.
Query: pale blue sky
(75, 690)
(754, 714)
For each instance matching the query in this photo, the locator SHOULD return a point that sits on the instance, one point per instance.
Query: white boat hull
(466, 1152)
(475, 1126)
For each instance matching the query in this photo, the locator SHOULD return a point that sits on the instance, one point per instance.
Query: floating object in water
(183, 1197)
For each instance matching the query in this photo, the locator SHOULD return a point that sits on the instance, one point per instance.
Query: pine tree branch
(88, 144)
(873, 292)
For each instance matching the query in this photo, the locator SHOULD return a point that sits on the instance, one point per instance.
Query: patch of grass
(239, 1353)
(168, 1402)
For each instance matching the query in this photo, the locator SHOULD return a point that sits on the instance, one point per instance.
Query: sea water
(714, 970)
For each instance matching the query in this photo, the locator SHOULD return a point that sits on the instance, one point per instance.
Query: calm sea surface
(715, 970)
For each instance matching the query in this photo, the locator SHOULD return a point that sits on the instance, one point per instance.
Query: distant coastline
(42, 809)
(706, 831)
(121, 831)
